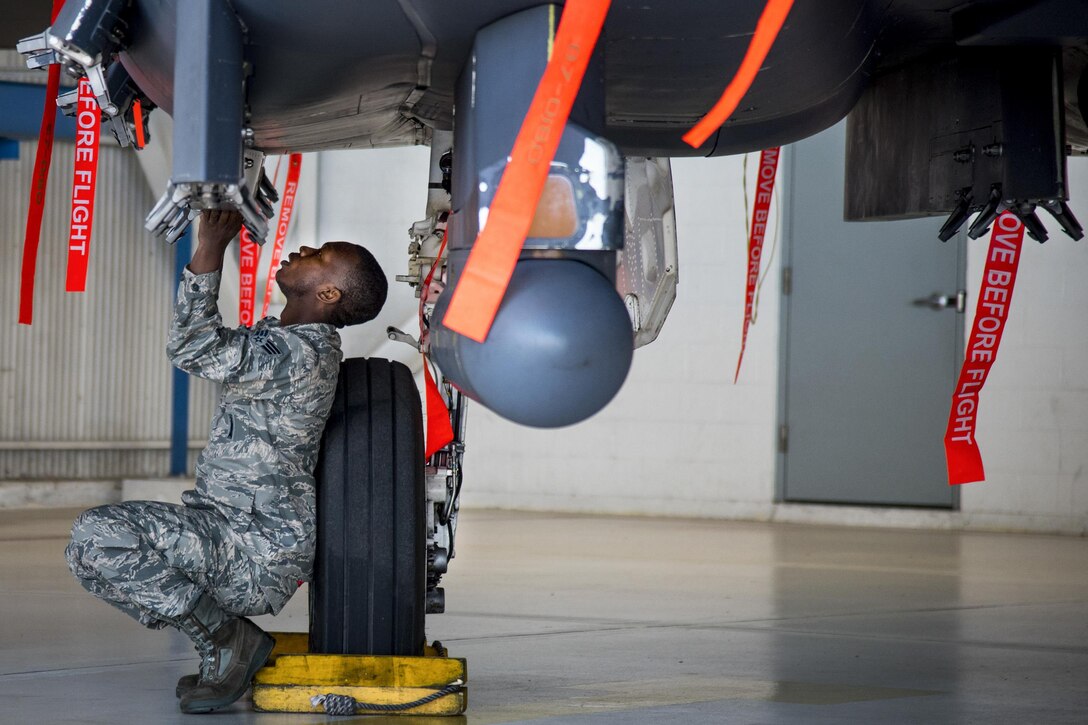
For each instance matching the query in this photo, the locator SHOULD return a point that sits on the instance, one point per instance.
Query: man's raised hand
(217, 228)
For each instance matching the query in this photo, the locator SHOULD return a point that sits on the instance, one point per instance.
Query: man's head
(341, 282)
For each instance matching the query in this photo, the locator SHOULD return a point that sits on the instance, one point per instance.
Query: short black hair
(364, 289)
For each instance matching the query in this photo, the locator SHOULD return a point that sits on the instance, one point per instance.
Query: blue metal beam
(179, 418)
(21, 113)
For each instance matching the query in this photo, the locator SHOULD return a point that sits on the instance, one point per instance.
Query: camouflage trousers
(153, 561)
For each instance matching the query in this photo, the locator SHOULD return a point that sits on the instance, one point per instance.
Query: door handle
(937, 301)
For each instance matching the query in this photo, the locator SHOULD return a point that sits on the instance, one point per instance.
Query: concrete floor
(619, 620)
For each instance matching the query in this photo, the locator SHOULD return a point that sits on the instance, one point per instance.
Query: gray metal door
(867, 376)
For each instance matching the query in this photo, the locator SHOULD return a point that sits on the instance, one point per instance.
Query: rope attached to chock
(348, 705)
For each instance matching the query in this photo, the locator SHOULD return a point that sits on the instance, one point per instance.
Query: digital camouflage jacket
(277, 389)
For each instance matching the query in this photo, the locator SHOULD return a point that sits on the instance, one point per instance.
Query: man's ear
(329, 295)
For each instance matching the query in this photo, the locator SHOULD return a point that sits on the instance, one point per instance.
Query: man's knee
(82, 539)
(89, 525)
(94, 530)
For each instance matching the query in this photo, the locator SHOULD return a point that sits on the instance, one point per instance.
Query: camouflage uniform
(245, 534)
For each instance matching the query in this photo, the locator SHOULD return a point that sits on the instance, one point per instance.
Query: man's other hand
(219, 226)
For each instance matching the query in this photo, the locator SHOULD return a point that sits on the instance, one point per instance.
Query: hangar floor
(622, 620)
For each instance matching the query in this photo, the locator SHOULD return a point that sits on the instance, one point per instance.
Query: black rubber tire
(370, 573)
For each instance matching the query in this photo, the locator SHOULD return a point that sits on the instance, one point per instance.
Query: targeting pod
(562, 342)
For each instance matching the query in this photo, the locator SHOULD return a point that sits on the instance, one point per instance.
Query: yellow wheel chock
(296, 681)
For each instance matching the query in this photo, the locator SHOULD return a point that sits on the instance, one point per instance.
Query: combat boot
(230, 655)
(185, 683)
(209, 613)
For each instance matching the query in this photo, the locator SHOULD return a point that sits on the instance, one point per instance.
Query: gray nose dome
(558, 351)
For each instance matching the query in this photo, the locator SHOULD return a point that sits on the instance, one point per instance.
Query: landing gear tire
(370, 573)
